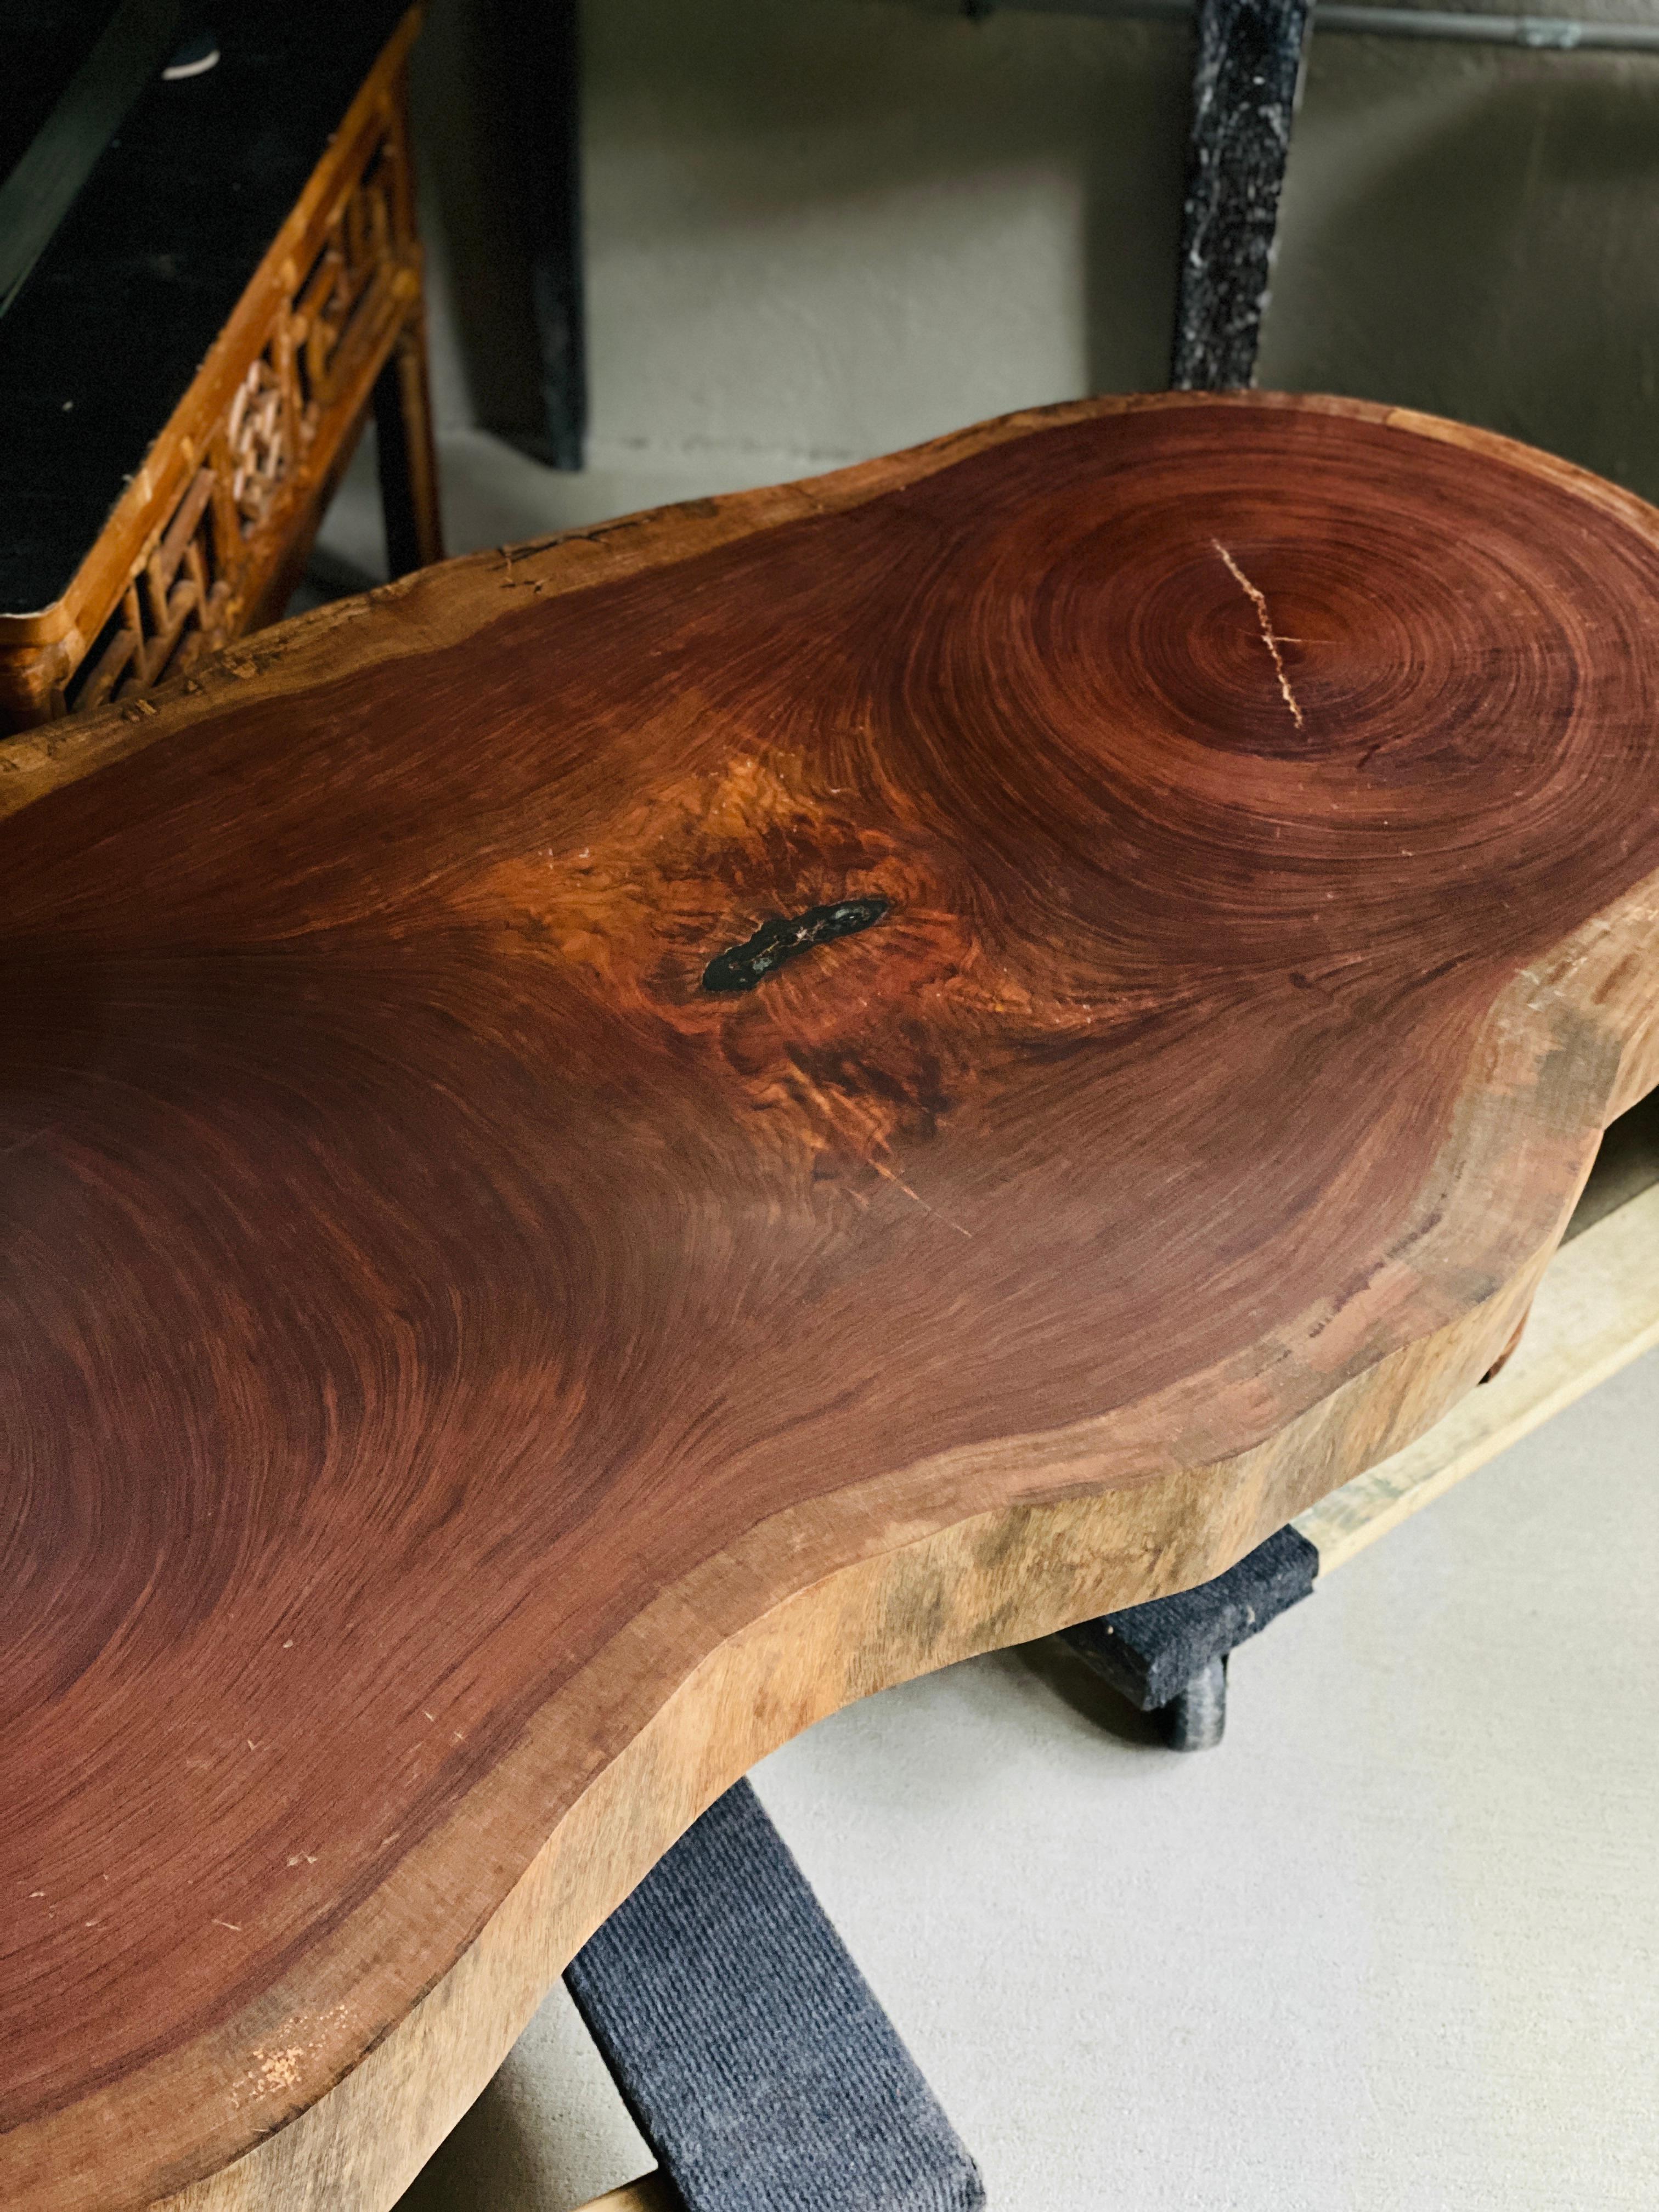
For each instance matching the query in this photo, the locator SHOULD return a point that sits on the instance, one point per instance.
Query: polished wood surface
(622, 1142)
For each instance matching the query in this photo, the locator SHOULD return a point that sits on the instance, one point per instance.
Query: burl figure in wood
(612, 1147)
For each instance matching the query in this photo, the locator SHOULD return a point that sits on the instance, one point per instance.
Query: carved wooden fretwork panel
(347, 294)
(248, 480)
(172, 611)
(261, 436)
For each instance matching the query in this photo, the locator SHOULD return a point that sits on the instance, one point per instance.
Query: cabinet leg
(408, 461)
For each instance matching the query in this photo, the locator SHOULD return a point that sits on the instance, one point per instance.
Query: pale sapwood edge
(437, 606)
(1596, 1311)
(1000, 1576)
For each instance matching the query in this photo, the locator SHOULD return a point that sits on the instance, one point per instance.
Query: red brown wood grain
(468, 1388)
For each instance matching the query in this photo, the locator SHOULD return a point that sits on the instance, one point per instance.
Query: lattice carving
(189, 592)
(347, 293)
(172, 611)
(198, 579)
(262, 438)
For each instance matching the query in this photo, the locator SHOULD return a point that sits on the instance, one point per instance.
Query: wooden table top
(612, 1146)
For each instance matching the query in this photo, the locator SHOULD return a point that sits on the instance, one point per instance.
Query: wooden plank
(478, 1384)
(1597, 1309)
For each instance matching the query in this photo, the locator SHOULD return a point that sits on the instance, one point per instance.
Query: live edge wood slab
(491, 1346)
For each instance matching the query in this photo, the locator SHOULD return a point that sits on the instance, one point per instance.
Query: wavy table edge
(1596, 1311)
(434, 607)
(1005, 1574)
(312, 2110)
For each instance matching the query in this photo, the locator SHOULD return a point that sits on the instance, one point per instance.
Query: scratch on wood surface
(920, 1199)
(1269, 639)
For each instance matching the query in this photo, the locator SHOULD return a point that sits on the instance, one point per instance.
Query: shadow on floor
(1626, 1165)
(1077, 1686)
(489, 2159)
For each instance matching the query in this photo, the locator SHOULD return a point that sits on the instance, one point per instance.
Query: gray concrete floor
(1391, 1948)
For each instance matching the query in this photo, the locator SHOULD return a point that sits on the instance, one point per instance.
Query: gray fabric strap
(747, 2045)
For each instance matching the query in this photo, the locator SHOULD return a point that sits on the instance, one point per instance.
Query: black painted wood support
(1247, 63)
(1170, 1656)
(407, 463)
(541, 48)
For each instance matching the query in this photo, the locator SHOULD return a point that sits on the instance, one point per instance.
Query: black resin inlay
(783, 936)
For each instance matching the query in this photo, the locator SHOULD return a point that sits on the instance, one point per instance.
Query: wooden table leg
(408, 461)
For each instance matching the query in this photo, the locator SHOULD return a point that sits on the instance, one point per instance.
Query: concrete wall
(818, 229)
(1476, 232)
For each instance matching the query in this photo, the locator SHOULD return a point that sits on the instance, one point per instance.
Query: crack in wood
(1269, 639)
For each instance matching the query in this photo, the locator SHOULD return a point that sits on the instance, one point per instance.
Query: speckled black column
(1246, 60)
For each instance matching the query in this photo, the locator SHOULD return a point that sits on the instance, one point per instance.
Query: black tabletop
(102, 342)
